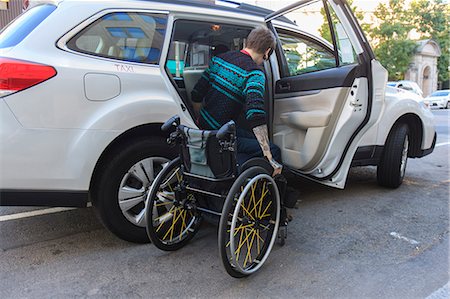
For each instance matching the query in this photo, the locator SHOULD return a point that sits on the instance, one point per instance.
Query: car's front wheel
(392, 166)
(448, 105)
(124, 181)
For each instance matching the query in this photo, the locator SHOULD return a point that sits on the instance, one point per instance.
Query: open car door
(325, 93)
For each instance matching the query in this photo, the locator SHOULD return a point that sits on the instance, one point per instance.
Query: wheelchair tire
(252, 212)
(170, 223)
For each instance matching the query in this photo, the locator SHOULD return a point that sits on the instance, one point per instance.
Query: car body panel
(69, 123)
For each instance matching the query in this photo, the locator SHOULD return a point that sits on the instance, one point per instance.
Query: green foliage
(395, 55)
(325, 28)
(431, 18)
(389, 33)
(393, 48)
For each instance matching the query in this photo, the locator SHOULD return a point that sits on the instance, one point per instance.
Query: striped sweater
(232, 84)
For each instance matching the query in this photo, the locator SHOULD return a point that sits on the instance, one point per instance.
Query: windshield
(17, 30)
(440, 93)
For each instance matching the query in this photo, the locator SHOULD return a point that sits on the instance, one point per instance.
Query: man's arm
(256, 115)
(262, 136)
(200, 89)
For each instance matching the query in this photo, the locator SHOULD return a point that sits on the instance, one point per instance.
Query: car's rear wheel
(392, 167)
(448, 105)
(121, 189)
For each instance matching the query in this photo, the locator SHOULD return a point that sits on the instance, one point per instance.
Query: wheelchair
(205, 180)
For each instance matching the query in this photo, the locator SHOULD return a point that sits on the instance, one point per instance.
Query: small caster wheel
(282, 235)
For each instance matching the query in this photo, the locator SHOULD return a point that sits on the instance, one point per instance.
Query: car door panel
(328, 78)
(303, 121)
(319, 107)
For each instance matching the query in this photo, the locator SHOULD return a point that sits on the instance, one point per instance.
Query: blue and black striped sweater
(232, 84)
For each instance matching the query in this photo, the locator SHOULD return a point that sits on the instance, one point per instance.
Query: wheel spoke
(171, 227)
(164, 203)
(127, 204)
(140, 218)
(127, 192)
(148, 168)
(247, 212)
(253, 199)
(249, 248)
(168, 182)
(243, 242)
(165, 215)
(264, 213)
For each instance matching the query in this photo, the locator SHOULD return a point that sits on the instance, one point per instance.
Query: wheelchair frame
(248, 223)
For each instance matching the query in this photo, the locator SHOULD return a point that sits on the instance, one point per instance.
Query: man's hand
(197, 107)
(277, 167)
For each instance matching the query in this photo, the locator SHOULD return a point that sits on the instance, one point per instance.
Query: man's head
(261, 41)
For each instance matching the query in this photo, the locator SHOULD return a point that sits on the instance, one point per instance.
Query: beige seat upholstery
(191, 76)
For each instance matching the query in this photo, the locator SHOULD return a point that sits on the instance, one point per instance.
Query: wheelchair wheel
(249, 223)
(171, 217)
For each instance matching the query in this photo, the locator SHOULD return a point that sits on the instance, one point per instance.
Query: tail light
(17, 75)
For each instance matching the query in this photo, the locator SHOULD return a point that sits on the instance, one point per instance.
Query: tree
(431, 18)
(393, 48)
(325, 28)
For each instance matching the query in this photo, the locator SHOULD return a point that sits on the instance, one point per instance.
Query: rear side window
(129, 36)
(23, 25)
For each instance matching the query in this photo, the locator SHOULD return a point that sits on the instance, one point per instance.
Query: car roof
(225, 5)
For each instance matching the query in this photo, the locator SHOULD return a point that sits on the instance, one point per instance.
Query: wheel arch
(415, 129)
(138, 132)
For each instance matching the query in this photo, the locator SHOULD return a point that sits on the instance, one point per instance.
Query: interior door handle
(284, 86)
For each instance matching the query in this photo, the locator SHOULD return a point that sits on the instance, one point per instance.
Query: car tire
(448, 105)
(116, 177)
(392, 166)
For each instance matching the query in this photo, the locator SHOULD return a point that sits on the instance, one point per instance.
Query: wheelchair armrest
(173, 121)
(226, 130)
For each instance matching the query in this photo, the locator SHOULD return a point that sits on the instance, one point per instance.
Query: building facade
(9, 10)
(423, 69)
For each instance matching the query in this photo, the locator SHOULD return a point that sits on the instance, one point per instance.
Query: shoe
(291, 197)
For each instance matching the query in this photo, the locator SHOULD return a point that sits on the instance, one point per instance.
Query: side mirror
(173, 121)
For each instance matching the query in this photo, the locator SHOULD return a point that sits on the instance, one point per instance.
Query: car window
(346, 52)
(194, 43)
(16, 31)
(129, 36)
(303, 56)
(324, 44)
(440, 93)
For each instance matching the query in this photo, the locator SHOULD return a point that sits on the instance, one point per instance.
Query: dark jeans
(248, 147)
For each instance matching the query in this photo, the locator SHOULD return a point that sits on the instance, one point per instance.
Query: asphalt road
(361, 242)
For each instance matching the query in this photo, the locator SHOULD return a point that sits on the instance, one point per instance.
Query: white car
(86, 85)
(439, 99)
(407, 85)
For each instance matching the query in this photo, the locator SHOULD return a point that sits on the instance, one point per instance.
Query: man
(234, 83)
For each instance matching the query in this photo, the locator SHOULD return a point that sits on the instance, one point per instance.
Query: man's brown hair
(260, 39)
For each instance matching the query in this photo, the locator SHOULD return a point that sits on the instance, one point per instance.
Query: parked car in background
(86, 86)
(439, 99)
(407, 85)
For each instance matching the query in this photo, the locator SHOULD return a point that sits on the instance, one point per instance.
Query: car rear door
(323, 89)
